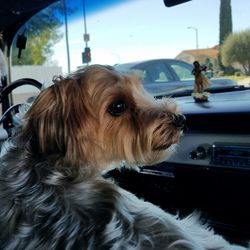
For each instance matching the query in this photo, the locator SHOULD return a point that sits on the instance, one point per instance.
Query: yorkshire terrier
(52, 194)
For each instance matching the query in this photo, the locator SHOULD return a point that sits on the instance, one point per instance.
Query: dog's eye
(117, 108)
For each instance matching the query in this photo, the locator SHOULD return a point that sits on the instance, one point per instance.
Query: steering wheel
(24, 81)
(7, 110)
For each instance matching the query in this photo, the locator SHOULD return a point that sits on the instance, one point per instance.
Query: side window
(183, 71)
(155, 73)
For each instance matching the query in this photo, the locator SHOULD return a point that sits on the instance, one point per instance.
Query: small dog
(52, 195)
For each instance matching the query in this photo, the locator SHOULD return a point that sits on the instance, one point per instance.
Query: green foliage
(226, 25)
(226, 28)
(42, 33)
(236, 49)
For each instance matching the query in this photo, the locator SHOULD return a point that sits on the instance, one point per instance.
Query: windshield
(158, 42)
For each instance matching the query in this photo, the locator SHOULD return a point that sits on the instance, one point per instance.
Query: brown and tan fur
(82, 129)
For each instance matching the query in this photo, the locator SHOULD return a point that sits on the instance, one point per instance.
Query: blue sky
(144, 29)
(92, 6)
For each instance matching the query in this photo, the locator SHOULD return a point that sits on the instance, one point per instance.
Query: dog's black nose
(179, 121)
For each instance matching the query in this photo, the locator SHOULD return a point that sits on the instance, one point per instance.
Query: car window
(155, 73)
(59, 47)
(183, 72)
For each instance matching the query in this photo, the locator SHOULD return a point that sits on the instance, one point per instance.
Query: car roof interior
(12, 16)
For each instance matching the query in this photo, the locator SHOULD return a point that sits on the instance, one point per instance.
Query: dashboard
(213, 150)
(218, 133)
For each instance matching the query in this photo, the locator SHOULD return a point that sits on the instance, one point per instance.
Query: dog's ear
(55, 123)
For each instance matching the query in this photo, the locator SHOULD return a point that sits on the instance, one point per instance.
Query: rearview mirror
(21, 44)
(170, 3)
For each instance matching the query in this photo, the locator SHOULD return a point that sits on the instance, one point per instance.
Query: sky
(134, 30)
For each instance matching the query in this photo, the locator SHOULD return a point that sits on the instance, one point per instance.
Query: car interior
(209, 172)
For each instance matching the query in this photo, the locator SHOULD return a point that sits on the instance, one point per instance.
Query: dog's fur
(52, 195)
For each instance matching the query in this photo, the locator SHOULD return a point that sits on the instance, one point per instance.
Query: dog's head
(97, 116)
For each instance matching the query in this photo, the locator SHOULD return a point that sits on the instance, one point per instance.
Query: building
(207, 56)
(43, 74)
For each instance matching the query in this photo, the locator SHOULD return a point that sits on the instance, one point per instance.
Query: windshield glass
(158, 42)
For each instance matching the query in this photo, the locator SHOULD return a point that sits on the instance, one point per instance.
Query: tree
(42, 33)
(236, 49)
(226, 24)
(226, 28)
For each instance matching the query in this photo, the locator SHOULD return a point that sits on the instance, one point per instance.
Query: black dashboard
(210, 171)
(218, 131)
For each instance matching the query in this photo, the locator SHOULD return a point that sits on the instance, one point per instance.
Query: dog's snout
(179, 121)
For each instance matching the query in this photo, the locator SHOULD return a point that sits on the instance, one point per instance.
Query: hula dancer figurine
(201, 82)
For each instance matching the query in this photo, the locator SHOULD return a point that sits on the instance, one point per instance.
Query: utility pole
(86, 55)
(66, 34)
(196, 38)
(86, 35)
